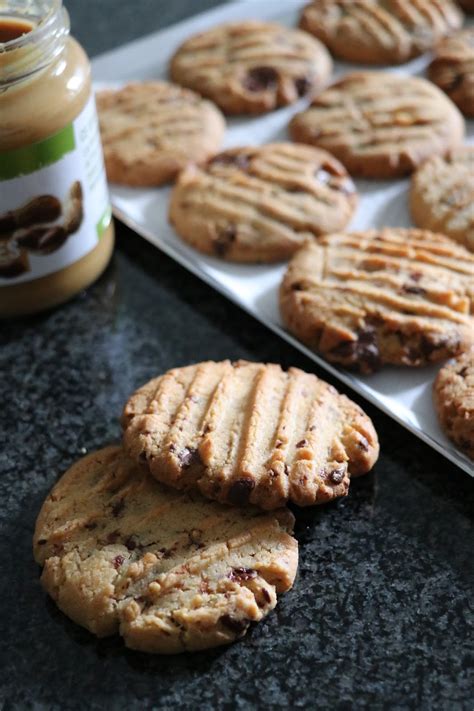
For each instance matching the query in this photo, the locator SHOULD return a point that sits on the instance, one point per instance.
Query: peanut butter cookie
(396, 296)
(249, 433)
(168, 571)
(442, 195)
(251, 67)
(380, 31)
(380, 125)
(260, 204)
(452, 69)
(454, 399)
(152, 130)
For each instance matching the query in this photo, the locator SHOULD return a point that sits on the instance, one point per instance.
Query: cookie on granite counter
(390, 296)
(452, 69)
(380, 125)
(151, 130)
(380, 32)
(442, 195)
(169, 572)
(249, 433)
(453, 393)
(251, 67)
(260, 204)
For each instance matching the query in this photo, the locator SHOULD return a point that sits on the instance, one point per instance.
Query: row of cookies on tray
(361, 300)
(180, 538)
(378, 125)
(250, 67)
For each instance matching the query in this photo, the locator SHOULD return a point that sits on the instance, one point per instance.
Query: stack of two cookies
(166, 567)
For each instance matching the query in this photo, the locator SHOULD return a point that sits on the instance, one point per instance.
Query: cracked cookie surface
(260, 204)
(252, 67)
(380, 31)
(453, 393)
(390, 296)
(152, 130)
(442, 195)
(249, 433)
(168, 571)
(380, 125)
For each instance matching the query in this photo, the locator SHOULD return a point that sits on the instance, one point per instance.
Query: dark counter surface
(378, 616)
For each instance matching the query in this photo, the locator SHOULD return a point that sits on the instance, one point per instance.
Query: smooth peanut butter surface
(12, 28)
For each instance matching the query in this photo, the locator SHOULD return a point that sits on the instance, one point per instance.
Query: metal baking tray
(403, 393)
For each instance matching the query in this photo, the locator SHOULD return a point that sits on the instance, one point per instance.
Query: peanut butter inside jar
(56, 233)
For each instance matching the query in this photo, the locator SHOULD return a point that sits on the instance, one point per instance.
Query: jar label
(54, 201)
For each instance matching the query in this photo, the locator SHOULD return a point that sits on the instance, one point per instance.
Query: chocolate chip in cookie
(225, 65)
(260, 204)
(169, 572)
(391, 296)
(264, 436)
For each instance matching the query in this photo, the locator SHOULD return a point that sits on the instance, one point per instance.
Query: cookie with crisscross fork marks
(252, 66)
(249, 433)
(260, 204)
(453, 393)
(452, 69)
(442, 195)
(398, 296)
(152, 130)
(380, 31)
(167, 571)
(380, 125)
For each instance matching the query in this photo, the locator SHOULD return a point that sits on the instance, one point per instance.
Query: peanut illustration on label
(30, 228)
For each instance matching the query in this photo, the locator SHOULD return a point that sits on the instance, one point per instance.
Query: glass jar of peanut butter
(56, 233)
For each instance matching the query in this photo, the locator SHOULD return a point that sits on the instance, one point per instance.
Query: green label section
(28, 159)
(104, 221)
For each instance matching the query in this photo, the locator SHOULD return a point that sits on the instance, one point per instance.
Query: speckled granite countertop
(378, 615)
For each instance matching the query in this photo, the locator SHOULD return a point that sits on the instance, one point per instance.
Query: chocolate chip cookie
(251, 67)
(454, 399)
(168, 571)
(380, 31)
(152, 130)
(442, 195)
(390, 296)
(452, 69)
(249, 433)
(380, 125)
(260, 204)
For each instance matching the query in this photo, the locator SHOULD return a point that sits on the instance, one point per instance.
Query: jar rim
(45, 23)
(30, 52)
